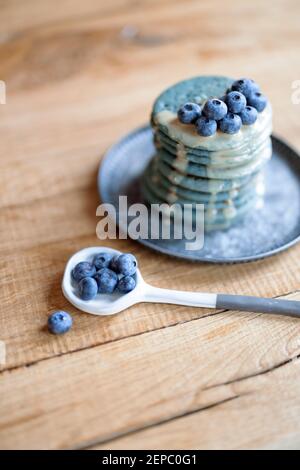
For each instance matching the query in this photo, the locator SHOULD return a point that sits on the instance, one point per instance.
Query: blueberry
(246, 86)
(59, 322)
(126, 264)
(126, 284)
(236, 102)
(113, 263)
(248, 115)
(230, 124)
(107, 281)
(83, 269)
(215, 109)
(189, 112)
(102, 260)
(205, 126)
(258, 101)
(87, 288)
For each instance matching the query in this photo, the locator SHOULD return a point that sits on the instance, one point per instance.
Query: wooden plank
(259, 413)
(102, 392)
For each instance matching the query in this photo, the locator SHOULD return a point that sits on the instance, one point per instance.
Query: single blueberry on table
(126, 284)
(59, 322)
(236, 102)
(215, 109)
(248, 115)
(126, 264)
(246, 86)
(189, 112)
(107, 281)
(206, 127)
(230, 124)
(83, 269)
(258, 101)
(87, 288)
(102, 260)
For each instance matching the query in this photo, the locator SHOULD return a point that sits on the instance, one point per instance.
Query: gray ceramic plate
(265, 232)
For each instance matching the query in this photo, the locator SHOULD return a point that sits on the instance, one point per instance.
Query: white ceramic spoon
(109, 304)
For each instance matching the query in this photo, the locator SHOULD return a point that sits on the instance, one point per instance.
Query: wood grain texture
(76, 81)
(248, 414)
(119, 388)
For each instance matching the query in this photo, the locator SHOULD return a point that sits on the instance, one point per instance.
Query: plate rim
(214, 260)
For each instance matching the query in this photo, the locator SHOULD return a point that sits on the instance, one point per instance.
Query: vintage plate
(264, 232)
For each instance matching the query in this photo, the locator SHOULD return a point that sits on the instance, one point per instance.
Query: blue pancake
(156, 177)
(195, 183)
(232, 173)
(220, 199)
(162, 141)
(197, 89)
(201, 157)
(172, 197)
(221, 219)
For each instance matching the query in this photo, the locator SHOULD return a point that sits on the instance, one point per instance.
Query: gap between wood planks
(217, 312)
(116, 436)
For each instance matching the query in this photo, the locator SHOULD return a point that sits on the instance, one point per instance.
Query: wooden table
(79, 75)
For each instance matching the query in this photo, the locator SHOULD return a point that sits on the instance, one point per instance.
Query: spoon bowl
(102, 304)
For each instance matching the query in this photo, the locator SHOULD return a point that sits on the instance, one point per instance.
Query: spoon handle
(177, 297)
(259, 304)
(223, 301)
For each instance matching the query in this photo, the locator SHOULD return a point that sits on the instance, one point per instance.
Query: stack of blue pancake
(223, 172)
